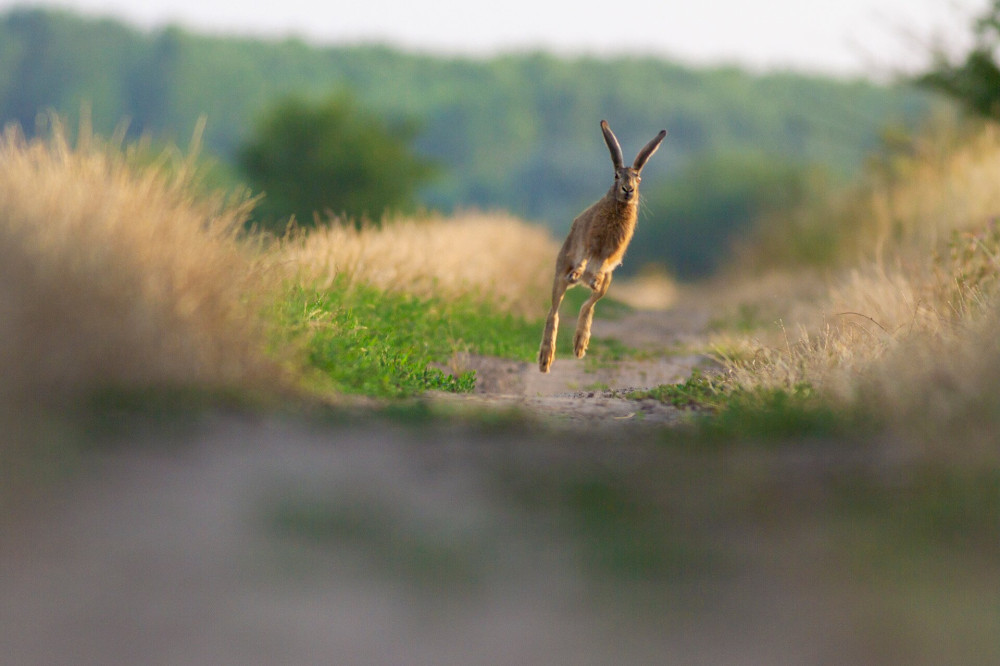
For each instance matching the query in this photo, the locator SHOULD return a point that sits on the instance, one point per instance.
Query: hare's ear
(648, 150)
(616, 150)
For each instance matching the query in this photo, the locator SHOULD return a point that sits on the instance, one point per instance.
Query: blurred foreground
(234, 540)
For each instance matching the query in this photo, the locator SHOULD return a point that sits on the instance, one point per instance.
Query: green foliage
(975, 81)
(362, 340)
(699, 391)
(331, 158)
(768, 414)
(777, 415)
(717, 200)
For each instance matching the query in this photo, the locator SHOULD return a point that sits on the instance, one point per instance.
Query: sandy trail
(588, 394)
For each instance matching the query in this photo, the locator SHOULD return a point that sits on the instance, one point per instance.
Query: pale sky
(874, 37)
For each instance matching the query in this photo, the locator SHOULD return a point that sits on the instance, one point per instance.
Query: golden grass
(910, 326)
(115, 274)
(911, 198)
(493, 257)
(651, 289)
(947, 180)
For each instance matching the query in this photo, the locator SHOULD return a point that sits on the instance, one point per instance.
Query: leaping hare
(595, 246)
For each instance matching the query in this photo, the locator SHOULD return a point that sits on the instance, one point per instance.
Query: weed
(699, 391)
(607, 351)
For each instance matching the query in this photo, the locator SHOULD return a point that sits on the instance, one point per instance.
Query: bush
(330, 159)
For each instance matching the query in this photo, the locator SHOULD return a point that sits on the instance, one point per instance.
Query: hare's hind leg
(581, 340)
(547, 352)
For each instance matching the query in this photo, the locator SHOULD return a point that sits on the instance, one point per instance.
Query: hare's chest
(610, 239)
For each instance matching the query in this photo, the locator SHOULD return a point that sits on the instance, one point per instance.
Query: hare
(595, 246)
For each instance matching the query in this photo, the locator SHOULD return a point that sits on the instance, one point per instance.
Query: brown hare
(595, 246)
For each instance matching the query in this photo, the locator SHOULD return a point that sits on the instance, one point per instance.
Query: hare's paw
(576, 272)
(581, 340)
(546, 355)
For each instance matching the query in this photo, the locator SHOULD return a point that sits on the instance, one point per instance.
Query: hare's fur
(595, 246)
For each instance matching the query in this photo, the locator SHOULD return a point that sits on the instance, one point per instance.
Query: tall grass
(906, 322)
(911, 196)
(493, 257)
(116, 273)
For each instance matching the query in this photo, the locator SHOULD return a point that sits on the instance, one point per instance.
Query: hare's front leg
(596, 270)
(547, 352)
(581, 340)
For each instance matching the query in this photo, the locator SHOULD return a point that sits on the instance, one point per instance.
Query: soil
(582, 392)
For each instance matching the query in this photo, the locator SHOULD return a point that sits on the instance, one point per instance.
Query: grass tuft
(118, 274)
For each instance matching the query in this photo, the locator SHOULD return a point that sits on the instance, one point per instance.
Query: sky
(877, 38)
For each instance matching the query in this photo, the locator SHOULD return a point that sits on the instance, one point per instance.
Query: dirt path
(587, 393)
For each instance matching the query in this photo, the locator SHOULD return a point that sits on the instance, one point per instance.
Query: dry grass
(910, 198)
(946, 180)
(651, 289)
(493, 257)
(115, 274)
(909, 327)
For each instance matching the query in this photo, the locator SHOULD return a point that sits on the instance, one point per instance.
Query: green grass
(699, 391)
(779, 415)
(361, 340)
(732, 412)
